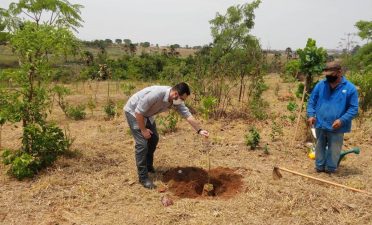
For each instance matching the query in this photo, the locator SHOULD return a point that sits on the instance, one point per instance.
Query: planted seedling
(208, 188)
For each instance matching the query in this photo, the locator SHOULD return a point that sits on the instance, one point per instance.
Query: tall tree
(236, 53)
(36, 39)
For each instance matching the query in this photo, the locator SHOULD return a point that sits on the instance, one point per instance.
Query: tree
(108, 41)
(312, 61)
(365, 29)
(127, 42)
(235, 52)
(36, 41)
(118, 41)
(145, 44)
(288, 52)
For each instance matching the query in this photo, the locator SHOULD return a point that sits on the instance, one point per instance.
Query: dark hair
(182, 88)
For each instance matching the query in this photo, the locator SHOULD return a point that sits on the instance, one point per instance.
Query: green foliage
(364, 82)
(235, 53)
(128, 88)
(252, 138)
(312, 61)
(207, 106)
(291, 70)
(76, 112)
(23, 166)
(36, 42)
(365, 29)
(91, 105)
(44, 144)
(168, 123)
(292, 106)
(300, 90)
(256, 104)
(110, 109)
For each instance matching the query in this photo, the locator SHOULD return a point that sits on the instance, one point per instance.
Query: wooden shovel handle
(324, 181)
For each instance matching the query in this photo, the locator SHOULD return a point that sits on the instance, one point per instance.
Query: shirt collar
(166, 96)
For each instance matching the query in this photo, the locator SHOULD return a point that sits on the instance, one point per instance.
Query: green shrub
(291, 70)
(257, 107)
(128, 88)
(24, 166)
(168, 123)
(252, 138)
(110, 109)
(292, 106)
(76, 112)
(364, 82)
(91, 105)
(207, 106)
(43, 144)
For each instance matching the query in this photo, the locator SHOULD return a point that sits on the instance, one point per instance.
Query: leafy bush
(291, 70)
(292, 106)
(76, 112)
(207, 106)
(91, 105)
(252, 138)
(128, 88)
(42, 146)
(110, 109)
(364, 82)
(168, 123)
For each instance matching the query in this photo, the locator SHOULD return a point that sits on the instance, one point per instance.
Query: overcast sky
(279, 23)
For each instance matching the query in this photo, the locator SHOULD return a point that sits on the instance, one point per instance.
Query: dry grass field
(99, 184)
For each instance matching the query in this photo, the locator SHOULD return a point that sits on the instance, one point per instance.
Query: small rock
(166, 201)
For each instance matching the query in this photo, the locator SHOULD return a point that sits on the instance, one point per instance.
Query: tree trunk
(1, 129)
(308, 82)
(241, 87)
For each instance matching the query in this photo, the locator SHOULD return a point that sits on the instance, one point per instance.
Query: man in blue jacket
(332, 105)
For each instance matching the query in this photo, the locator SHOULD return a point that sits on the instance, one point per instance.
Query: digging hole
(188, 182)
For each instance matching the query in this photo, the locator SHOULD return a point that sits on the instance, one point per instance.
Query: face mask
(177, 102)
(331, 79)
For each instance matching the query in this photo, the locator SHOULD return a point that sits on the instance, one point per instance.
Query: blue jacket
(328, 106)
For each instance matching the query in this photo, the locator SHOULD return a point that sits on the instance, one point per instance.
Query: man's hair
(333, 66)
(182, 88)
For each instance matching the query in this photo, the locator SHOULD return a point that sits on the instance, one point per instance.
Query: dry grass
(100, 186)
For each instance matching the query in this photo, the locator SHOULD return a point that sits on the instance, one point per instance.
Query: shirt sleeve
(145, 103)
(311, 105)
(183, 110)
(352, 110)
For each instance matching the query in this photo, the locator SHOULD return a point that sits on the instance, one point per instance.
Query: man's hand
(146, 133)
(311, 121)
(204, 133)
(337, 124)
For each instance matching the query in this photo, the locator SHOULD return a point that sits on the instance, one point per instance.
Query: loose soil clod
(193, 182)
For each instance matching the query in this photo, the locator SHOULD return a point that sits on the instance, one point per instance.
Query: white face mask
(177, 102)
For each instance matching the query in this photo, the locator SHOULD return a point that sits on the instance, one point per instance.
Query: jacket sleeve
(352, 109)
(311, 104)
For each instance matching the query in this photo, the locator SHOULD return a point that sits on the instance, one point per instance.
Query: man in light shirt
(140, 110)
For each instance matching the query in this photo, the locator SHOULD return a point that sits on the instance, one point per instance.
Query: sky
(279, 23)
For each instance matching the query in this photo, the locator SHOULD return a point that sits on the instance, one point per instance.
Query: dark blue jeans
(144, 148)
(328, 149)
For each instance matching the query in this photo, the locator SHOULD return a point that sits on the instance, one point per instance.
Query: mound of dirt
(188, 182)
